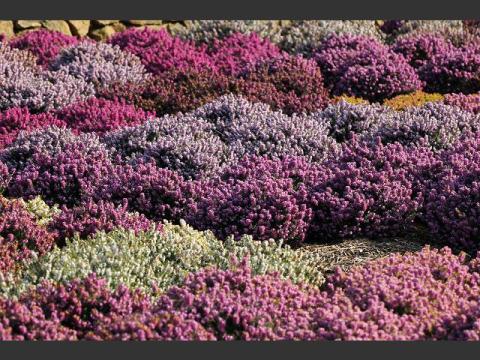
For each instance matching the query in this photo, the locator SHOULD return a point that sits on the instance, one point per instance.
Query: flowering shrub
(85, 220)
(15, 120)
(363, 67)
(100, 116)
(289, 83)
(99, 63)
(20, 235)
(45, 44)
(469, 102)
(159, 51)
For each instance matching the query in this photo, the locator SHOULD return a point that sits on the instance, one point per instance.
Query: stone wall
(96, 29)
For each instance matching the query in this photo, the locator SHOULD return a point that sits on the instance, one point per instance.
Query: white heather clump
(164, 259)
(450, 29)
(205, 31)
(303, 36)
(40, 210)
(100, 63)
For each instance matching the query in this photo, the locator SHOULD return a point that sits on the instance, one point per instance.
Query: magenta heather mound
(66, 178)
(87, 219)
(20, 235)
(370, 190)
(236, 53)
(159, 194)
(45, 44)
(469, 102)
(100, 116)
(453, 71)
(259, 197)
(15, 120)
(363, 67)
(452, 209)
(159, 51)
(421, 49)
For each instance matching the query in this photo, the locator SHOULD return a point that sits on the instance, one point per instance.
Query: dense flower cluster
(20, 236)
(361, 66)
(45, 44)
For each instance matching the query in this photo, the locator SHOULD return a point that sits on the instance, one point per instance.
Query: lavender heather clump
(15, 120)
(363, 67)
(236, 53)
(85, 220)
(469, 102)
(369, 190)
(183, 143)
(20, 235)
(421, 49)
(65, 178)
(433, 124)
(305, 36)
(259, 197)
(453, 71)
(26, 86)
(452, 210)
(254, 129)
(172, 91)
(50, 140)
(345, 119)
(99, 63)
(100, 115)
(45, 44)
(290, 83)
(159, 194)
(159, 51)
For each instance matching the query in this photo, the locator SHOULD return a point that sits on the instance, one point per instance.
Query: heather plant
(89, 218)
(172, 91)
(258, 197)
(453, 30)
(205, 31)
(45, 44)
(453, 71)
(20, 235)
(451, 210)
(4, 177)
(99, 64)
(181, 143)
(140, 260)
(255, 129)
(345, 120)
(370, 190)
(415, 99)
(24, 85)
(421, 49)
(433, 124)
(363, 67)
(15, 120)
(290, 83)
(159, 51)
(305, 36)
(159, 194)
(50, 140)
(469, 102)
(100, 116)
(65, 178)
(236, 53)
(349, 99)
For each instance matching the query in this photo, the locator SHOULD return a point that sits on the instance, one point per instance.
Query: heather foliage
(363, 67)
(469, 102)
(45, 44)
(140, 260)
(417, 98)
